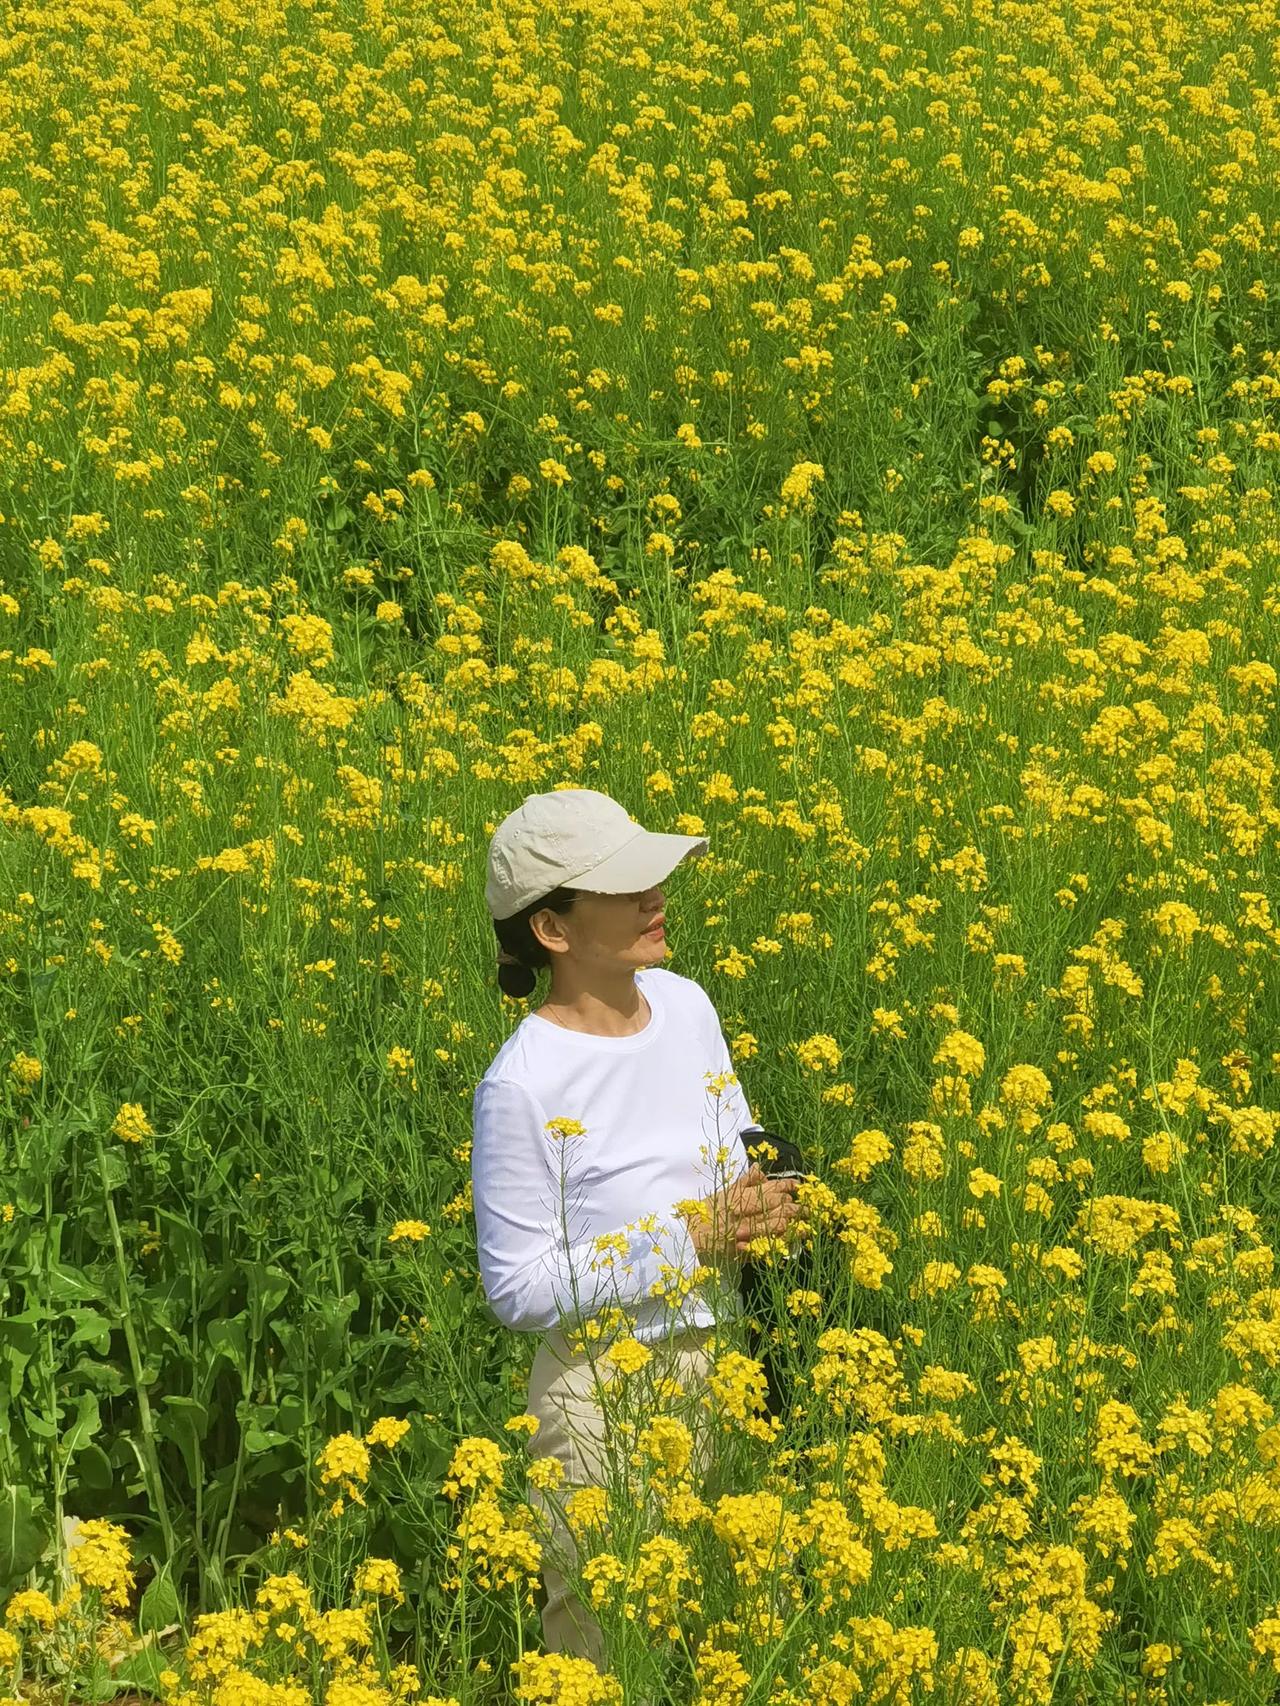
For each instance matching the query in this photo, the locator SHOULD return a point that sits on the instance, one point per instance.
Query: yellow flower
(628, 1355)
(1253, 1129)
(868, 1149)
(935, 1277)
(411, 1231)
(387, 1431)
(25, 1070)
(587, 1508)
(526, 1424)
(1025, 1087)
(560, 1679)
(1265, 1639)
(819, 1053)
(1157, 1658)
(475, 1462)
(983, 1184)
(131, 1124)
(30, 1605)
(799, 483)
(760, 1536)
(220, 1639)
(343, 1691)
(962, 1051)
(99, 1558)
(738, 1392)
(284, 1593)
(379, 1576)
(344, 1459)
(1119, 1446)
(334, 1632)
(546, 1473)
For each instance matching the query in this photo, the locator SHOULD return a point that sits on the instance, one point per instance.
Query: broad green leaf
(92, 1326)
(22, 1536)
(262, 1439)
(138, 1674)
(68, 1284)
(268, 1286)
(88, 1421)
(181, 1239)
(194, 1412)
(93, 1469)
(159, 1607)
(229, 1338)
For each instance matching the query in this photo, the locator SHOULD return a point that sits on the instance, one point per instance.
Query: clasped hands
(724, 1225)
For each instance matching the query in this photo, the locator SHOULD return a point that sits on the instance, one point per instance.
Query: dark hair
(515, 935)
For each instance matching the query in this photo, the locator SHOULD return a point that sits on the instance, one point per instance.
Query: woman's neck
(616, 1009)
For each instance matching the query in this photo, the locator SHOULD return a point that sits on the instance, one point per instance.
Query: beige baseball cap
(578, 838)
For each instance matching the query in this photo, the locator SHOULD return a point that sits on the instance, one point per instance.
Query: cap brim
(640, 864)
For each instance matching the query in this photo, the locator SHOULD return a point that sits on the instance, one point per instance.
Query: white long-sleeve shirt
(656, 1135)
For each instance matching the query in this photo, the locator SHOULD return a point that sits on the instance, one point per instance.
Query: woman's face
(607, 929)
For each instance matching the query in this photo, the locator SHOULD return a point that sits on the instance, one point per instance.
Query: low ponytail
(515, 978)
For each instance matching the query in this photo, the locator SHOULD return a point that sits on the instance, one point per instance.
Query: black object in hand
(777, 1158)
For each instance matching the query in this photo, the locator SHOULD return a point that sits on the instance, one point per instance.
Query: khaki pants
(564, 1395)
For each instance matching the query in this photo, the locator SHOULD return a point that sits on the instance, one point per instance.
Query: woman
(574, 1219)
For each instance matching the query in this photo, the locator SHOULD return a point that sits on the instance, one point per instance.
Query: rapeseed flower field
(847, 433)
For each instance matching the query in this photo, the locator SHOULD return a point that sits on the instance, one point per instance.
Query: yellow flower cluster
(99, 1558)
(131, 1124)
(299, 300)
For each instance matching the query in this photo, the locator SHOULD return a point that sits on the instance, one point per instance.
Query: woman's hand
(753, 1206)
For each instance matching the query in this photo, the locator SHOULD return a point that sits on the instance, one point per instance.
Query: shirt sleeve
(536, 1273)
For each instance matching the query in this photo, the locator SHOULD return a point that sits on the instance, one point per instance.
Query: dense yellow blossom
(847, 434)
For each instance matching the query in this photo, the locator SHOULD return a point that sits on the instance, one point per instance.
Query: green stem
(135, 1361)
(224, 1538)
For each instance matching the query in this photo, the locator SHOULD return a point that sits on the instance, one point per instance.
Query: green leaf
(93, 1469)
(159, 1607)
(22, 1538)
(71, 1285)
(260, 1439)
(88, 1421)
(185, 1422)
(18, 1341)
(92, 1326)
(182, 1239)
(268, 1287)
(189, 1412)
(138, 1674)
(115, 1169)
(228, 1338)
